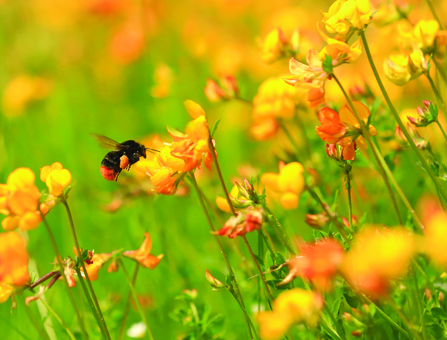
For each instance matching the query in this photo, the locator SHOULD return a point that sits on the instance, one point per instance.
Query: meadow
(295, 182)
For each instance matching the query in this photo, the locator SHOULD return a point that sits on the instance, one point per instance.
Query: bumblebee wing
(107, 143)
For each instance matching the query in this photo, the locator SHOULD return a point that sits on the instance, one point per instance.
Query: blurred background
(123, 69)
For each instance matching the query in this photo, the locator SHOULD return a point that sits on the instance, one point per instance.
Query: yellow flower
(19, 200)
(346, 14)
(401, 68)
(435, 240)
(222, 203)
(370, 270)
(289, 183)
(293, 306)
(276, 45)
(56, 178)
(425, 33)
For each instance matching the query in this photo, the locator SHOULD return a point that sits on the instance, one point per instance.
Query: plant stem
(43, 279)
(442, 130)
(386, 317)
(437, 95)
(404, 319)
(348, 173)
(399, 190)
(247, 317)
(230, 269)
(440, 70)
(261, 274)
(418, 302)
(289, 136)
(399, 121)
(367, 136)
(58, 318)
(222, 182)
(280, 230)
(126, 309)
(433, 12)
(90, 302)
(39, 328)
(59, 261)
(137, 302)
(332, 216)
(78, 249)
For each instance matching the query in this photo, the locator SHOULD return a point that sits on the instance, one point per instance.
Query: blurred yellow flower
(21, 91)
(56, 178)
(289, 183)
(6, 291)
(14, 259)
(435, 238)
(401, 68)
(293, 306)
(163, 77)
(346, 14)
(19, 201)
(276, 45)
(377, 256)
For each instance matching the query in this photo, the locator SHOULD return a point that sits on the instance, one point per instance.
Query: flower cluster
(244, 222)
(343, 128)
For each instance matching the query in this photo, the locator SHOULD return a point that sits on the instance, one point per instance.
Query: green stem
(329, 329)
(126, 309)
(418, 302)
(332, 215)
(222, 182)
(399, 121)
(404, 320)
(280, 230)
(61, 269)
(442, 130)
(58, 318)
(78, 249)
(230, 269)
(386, 317)
(261, 274)
(90, 302)
(348, 174)
(38, 326)
(304, 132)
(137, 302)
(247, 317)
(440, 70)
(367, 136)
(437, 94)
(433, 12)
(289, 137)
(399, 190)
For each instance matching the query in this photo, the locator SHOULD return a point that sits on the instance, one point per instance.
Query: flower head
(427, 115)
(56, 178)
(289, 183)
(370, 271)
(401, 68)
(226, 90)
(345, 15)
(14, 259)
(276, 45)
(19, 200)
(244, 222)
(293, 306)
(143, 256)
(317, 262)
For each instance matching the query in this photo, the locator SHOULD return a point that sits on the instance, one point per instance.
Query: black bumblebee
(123, 156)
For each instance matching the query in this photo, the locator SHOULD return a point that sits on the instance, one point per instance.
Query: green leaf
(439, 313)
(336, 307)
(213, 130)
(327, 64)
(436, 330)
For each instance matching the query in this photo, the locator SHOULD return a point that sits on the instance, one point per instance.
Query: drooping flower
(244, 222)
(317, 263)
(401, 68)
(56, 178)
(293, 306)
(289, 183)
(19, 201)
(370, 271)
(143, 256)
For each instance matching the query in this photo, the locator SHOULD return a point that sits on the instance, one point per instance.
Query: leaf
(336, 307)
(439, 313)
(436, 330)
(213, 130)
(327, 64)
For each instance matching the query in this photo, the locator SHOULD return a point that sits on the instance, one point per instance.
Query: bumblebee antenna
(152, 150)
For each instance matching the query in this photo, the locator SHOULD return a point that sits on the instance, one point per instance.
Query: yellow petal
(222, 204)
(194, 109)
(289, 200)
(291, 178)
(21, 177)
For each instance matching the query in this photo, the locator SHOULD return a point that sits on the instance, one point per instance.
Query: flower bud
(317, 221)
(215, 283)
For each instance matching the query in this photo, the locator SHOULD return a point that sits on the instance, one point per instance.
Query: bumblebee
(123, 156)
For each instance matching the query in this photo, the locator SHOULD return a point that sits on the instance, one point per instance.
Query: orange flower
(19, 200)
(143, 256)
(228, 89)
(97, 262)
(370, 271)
(127, 43)
(14, 260)
(317, 262)
(244, 222)
(343, 128)
(289, 183)
(56, 178)
(293, 306)
(435, 241)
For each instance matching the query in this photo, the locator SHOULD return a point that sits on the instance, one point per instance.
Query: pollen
(108, 174)
(124, 162)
